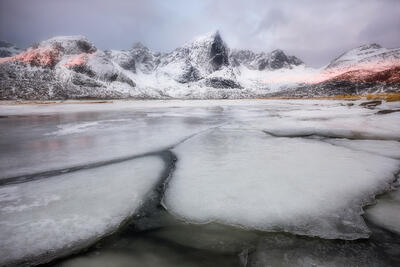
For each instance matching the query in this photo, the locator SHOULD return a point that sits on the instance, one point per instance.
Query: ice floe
(54, 216)
(386, 213)
(302, 186)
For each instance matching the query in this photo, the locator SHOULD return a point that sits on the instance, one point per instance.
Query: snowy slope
(367, 69)
(367, 56)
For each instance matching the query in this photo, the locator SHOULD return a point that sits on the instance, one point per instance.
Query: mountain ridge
(204, 67)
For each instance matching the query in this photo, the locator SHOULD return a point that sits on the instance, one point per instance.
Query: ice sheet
(302, 186)
(41, 143)
(52, 216)
(335, 120)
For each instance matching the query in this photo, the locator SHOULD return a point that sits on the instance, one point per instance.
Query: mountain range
(71, 67)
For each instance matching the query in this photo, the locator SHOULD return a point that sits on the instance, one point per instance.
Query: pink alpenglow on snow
(43, 57)
(362, 69)
(352, 73)
(78, 60)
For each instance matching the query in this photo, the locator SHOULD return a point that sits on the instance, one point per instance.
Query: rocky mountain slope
(277, 59)
(72, 67)
(367, 69)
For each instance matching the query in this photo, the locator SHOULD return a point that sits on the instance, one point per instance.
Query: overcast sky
(314, 30)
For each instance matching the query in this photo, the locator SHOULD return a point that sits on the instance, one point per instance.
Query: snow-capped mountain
(205, 54)
(365, 69)
(367, 56)
(62, 67)
(367, 63)
(202, 62)
(72, 67)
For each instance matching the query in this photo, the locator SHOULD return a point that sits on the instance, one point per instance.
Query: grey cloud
(272, 20)
(313, 30)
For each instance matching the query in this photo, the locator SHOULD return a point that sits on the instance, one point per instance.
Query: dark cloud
(314, 30)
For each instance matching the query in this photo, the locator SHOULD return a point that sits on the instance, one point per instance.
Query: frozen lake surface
(200, 183)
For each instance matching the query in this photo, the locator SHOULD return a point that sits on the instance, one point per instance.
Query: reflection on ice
(68, 140)
(73, 128)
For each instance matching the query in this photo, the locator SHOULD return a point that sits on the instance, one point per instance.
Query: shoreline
(389, 97)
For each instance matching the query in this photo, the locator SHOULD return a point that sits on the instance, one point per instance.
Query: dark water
(164, 241)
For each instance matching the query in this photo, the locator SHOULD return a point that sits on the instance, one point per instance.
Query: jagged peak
(217, 35)
(62, 38)
(277, 51)
(290, 59)
(369, 46)
(71, 44)
(360, 49)
(139, 45)
(67, 39)
(208, 37)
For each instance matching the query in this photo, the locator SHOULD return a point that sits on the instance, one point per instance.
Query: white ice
(44, 218)
(249, 179)
(386, 213)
